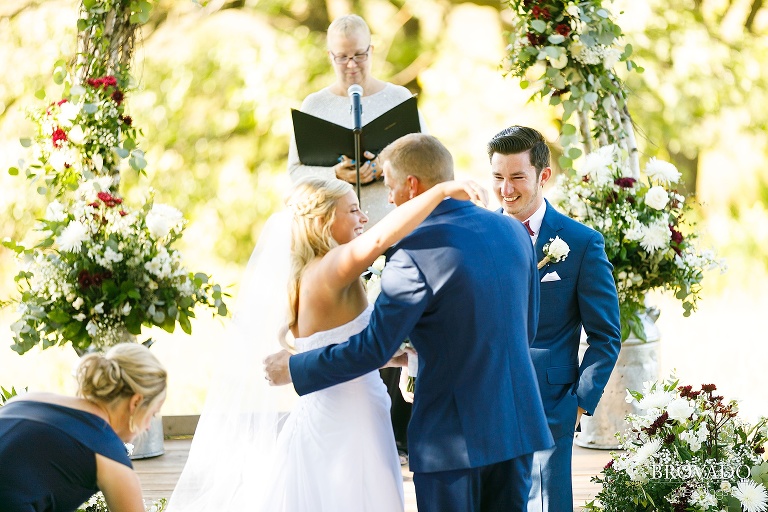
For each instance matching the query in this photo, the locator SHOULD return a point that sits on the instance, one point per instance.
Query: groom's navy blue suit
(584, 294)
(464, 288)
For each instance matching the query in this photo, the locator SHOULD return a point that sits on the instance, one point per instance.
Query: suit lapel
(550, 227)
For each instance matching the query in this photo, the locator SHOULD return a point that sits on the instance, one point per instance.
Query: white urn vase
(638, 362)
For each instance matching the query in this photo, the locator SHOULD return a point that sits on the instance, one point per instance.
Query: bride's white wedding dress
(336, 451)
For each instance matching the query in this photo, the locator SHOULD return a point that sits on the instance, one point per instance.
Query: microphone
(355, 92)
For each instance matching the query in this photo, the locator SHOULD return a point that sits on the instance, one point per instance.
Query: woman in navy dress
(58, 451)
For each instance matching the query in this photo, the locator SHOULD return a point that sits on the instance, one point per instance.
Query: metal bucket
(638, 362)
(150, 443)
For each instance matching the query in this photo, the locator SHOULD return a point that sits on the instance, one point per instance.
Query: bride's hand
(276, 369)
(399, 359)
(466, 190)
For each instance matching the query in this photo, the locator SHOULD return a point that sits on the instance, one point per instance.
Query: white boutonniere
(555, 251)
(373, 284)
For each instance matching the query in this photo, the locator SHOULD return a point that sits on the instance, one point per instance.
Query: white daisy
(73, 236)
(753, 497)
(655, 237)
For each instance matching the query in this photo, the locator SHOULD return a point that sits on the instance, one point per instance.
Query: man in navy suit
(576, 291)
(463, 287)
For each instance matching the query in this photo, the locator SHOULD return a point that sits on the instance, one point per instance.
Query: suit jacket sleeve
(599, 308)
(403, 298)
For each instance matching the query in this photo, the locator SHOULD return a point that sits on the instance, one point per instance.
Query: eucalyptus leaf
(539, 26)
(90, 108)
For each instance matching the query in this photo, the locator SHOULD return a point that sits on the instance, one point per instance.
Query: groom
(463, 287)
(576, 291)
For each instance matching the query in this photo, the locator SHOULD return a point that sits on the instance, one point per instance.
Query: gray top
(336, 109)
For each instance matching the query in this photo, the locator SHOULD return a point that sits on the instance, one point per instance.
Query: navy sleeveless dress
(47, 456)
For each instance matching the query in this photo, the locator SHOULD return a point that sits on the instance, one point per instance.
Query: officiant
(350, 52)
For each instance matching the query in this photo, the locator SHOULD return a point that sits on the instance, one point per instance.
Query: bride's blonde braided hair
(313, 203)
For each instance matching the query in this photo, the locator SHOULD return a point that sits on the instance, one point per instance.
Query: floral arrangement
(687, 451)
(555, 251)
(80, 136)
(648, 237)
(98, 504)
(572, 47)
(101, 270)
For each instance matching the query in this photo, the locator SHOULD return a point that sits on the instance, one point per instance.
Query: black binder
(321, 142)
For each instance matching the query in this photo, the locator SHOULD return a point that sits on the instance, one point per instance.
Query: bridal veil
(232, 453)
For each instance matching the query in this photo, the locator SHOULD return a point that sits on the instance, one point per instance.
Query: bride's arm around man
(463, 287)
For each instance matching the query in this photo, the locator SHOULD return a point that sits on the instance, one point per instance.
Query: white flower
(126, 310)
(98, 162)
(657, 198)
(573, 10)
(597, 164)
(162, 218)
(645, 452)
(91, 328)
(657, 399)
(661, 171)
(610, 57)
(76, 135)
(703, 499)
(55, 212)
(557, 250)
(73, 236)
(67, 113)
(99, 308)
(379, 263)
(78, 303)
(679, 409)
(57, 160)
(753, 497)
(560, 62)
(112, 256)
(655, 237)
(79, 317)
(373, 288)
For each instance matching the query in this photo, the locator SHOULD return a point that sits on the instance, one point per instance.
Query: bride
(335, 451)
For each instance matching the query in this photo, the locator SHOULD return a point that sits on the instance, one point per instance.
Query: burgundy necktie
(528, 227)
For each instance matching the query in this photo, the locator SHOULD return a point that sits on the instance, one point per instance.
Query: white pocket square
(551, 276)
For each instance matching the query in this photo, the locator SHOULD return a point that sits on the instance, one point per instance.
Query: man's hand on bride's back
(276, 369)
(466, 190)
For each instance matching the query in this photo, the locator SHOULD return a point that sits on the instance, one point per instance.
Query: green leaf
(524, 84)
(88, 4)
(574, 153)
(42, 190)
(568, 129)
(565, 162)
(603, 13)
(590, 97)
(137, 161)
(81, 25)
(129, 144)
(25, 142)
(90, 108)
(627, 52)
(40, 94)
(58, 316)
(13, 171)
(122, 153)
(539, 26)
(185, 324)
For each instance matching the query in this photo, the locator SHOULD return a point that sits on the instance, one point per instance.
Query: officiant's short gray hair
(519, 139)
(349, 24)
(421, 156)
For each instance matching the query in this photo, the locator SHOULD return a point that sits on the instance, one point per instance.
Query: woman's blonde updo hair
(313, 203)
(126, 369)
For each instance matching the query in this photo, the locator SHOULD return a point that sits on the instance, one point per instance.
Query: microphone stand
(356, 92)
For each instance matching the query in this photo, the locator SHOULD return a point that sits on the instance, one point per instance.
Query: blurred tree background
(216, 83)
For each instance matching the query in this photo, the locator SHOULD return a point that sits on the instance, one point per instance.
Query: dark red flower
(759, 450)
(123, 213)
(609, 465)
(109, 200)
(540, 12)
(560, 92)
(118, 96)
(61, 102)
(708, 388)
(94, 204)
(625, 182)
(97, 279)
(84, 278)
(536, 39)
(127, 121)
(563, 29)
(585, 178)
(677, 237)
(59, 137)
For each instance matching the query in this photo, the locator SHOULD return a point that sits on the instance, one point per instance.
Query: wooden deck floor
(159, 474)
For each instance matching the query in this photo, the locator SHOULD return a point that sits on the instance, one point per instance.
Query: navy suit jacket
(584, 296)
(464, 288)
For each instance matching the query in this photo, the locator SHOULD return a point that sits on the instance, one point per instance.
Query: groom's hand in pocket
(276, 368)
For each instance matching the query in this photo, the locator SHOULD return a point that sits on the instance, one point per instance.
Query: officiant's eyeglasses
(358, 57)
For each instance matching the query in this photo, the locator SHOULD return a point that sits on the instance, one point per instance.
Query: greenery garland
(571, 49)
